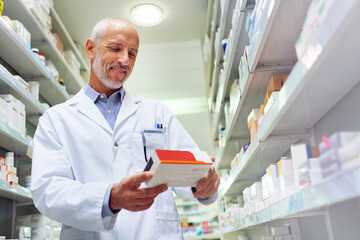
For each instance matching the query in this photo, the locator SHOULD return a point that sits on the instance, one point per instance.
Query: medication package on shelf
(302, 154)
(72, 60)
(41, 10)
(339, 151)
(235, 93)
(252, 121)
(41, 226)
(315, 16)
(24, 34)
(22, 82)
(286, 176)
(16, 113)
(7, 170)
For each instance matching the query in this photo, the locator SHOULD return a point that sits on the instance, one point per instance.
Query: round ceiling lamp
(146, 14)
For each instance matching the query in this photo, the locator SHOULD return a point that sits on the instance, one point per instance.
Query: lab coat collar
(84, 105)
(129, 105)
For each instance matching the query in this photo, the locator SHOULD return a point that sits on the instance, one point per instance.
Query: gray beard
(99, 70)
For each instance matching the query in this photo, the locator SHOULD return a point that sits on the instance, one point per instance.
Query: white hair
(99, 30)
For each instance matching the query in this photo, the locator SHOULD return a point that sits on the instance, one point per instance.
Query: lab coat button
(115, 144)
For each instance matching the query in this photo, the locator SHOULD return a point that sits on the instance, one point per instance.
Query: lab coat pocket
(168, 225)
(75, 234)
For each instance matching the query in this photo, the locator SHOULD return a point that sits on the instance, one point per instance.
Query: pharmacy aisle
(39, 67)
(284, 81)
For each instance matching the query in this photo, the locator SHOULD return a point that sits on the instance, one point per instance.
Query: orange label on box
(177, 157)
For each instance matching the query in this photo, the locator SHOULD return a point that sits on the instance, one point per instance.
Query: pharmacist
(89, 155)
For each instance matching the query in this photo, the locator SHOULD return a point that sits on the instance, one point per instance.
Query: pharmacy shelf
(40, 38)
(22, 59)
(59, 28)
(12, 140)
(227, 152)
(212, 26)
(203, 237)
(279, 28)
(282, 60)
(338, 189)
(256, 159)
(18, 55)
(14, 192)
(224, 29)
(8, 85)
(236, 47)
(300, 104)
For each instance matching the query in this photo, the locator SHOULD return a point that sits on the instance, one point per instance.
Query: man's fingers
(137, 179)
(152, 192)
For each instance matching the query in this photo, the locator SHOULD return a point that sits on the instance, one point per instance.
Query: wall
(173, 73)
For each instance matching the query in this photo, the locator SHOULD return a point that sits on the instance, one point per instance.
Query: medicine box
(300, 154)
(253, 116)
(177, 168)
(274, 84)
(286, 176)
(4, 115)
(256, 191)
(337, 140)
(270, 102)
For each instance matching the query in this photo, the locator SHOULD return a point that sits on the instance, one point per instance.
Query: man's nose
(123, 58)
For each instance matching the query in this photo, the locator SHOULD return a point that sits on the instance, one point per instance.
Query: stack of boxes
(73, 61)
(252, 122)
(338, 152)
(41, 10)
(16, 115)
(272, 92)
(41, 226)
(305, 165)
(7, 169)
(23, 33)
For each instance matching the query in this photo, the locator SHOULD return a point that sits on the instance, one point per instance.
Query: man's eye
(114, 48)
(132, 54)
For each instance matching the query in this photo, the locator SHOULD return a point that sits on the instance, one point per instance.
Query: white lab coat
(77, 155)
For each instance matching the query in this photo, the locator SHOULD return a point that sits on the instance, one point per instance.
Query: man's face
(116, 54)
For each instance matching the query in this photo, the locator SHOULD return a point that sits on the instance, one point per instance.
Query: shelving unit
(193, 213)
(33, 107)
(39, 37)
(317, 90)
(14, 192)
(342, 188)
(236, 47)
(18, 59)
(223, 16)
(27, 65)
(12, 140)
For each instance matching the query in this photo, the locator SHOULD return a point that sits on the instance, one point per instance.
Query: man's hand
(209, 184)
(127, 194)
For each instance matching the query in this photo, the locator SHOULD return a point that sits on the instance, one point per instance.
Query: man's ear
(90, 49)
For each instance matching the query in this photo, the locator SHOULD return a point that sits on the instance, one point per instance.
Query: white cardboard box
(177, 168)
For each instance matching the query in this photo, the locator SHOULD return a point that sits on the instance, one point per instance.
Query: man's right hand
(128, 195)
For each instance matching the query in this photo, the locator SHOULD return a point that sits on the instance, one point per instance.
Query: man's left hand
(209, 184)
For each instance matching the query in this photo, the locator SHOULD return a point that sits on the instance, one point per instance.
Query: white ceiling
(169, 66)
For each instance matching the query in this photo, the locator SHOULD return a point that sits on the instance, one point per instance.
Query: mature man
(89, 153)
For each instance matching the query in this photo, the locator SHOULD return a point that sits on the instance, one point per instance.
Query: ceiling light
(146, 14)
